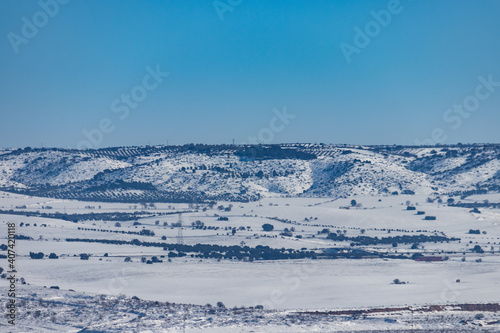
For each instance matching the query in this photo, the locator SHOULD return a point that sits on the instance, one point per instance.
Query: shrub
(38, 255)
(267, 227)
(146, 232)
(155, 259)
(478, 249)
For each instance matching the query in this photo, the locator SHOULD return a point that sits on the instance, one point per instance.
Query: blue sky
(230, 63)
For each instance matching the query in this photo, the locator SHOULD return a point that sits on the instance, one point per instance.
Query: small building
(430, 218)
(429, 258)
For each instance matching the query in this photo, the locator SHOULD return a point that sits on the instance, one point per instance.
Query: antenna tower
(180, 236)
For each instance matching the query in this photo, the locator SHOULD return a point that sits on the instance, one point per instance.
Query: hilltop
(200, 173)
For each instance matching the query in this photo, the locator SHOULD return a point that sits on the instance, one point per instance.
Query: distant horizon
(465, 144)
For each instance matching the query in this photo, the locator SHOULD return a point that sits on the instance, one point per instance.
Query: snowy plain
(304, 284)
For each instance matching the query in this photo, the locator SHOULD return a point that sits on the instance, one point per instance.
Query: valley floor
(135, 296)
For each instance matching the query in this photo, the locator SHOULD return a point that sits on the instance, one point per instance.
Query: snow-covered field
(284, 285)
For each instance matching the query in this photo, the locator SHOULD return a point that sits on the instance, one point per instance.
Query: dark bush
(267, 227)
(38, 255)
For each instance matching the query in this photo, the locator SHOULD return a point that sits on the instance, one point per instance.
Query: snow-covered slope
(203, 172)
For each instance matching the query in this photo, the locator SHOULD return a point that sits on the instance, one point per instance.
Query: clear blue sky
(227, 75)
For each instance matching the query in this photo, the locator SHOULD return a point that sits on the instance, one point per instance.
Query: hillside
(197, 173)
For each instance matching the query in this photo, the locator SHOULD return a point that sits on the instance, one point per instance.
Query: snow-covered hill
(237, 173)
